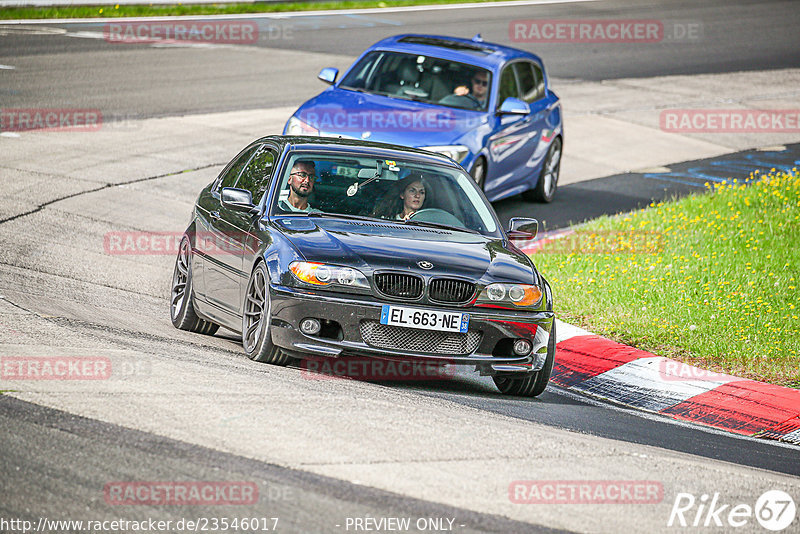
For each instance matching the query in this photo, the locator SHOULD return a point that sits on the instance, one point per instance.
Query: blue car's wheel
(478, 172)
(545, 189)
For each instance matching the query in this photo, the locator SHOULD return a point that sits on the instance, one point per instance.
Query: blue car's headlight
(297, 127)
(455, 152)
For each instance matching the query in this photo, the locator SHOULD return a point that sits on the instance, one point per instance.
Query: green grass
(150, 10)
(710, 279)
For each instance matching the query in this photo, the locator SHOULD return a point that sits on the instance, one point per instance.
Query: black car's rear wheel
(181, 307)
(533, 384)
(256, 321)
(545, 189)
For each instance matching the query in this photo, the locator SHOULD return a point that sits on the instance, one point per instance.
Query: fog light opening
(310, 326)
(522, 347)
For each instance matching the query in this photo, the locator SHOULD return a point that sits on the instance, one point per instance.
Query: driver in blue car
(301, 185)
(480, 89)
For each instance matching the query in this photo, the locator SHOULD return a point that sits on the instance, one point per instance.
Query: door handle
(214, 215)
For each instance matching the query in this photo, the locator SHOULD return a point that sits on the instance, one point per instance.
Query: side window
(508, 85)
(527, 82)
(232, 172)
(537, 73)
(258, 173)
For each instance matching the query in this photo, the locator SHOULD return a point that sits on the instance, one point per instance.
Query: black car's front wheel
(181, 308)
(257, 319)
(533, 384)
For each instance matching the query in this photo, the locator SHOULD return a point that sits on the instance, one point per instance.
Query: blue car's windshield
(421, 78)
(404, 192)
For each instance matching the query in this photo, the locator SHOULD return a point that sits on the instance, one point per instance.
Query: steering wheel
(436, 215)
(461, 101)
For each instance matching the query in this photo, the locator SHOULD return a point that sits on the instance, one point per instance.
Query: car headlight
(322, 274)
(297, 127)
(510, 295)
(455, 152)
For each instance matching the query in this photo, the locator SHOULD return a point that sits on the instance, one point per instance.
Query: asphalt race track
(324, 453)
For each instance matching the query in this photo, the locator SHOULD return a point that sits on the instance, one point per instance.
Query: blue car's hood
(388, 120)
(375, 246)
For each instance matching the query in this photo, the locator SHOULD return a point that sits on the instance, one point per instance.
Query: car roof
(474, 51)
(298, 142)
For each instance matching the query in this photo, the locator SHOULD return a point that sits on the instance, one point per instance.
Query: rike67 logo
(774, 510)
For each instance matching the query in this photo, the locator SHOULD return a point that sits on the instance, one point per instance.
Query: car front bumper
(349, 317)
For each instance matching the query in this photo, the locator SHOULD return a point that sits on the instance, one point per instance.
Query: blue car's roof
(480, 53)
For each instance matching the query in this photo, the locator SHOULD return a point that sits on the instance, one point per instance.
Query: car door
(230, 243)
(256, 179)
(513, 144)
(220, 242)
(207, 211)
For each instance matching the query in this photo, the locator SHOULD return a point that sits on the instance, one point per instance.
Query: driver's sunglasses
(304, 175)
(480, 82)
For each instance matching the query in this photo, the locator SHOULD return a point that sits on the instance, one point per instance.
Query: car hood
(376, 246)
(389, 120)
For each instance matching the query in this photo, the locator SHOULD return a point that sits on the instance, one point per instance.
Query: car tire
(257, 319)
(545, 189)
(182, 296)
(478, 172)
(534, 384)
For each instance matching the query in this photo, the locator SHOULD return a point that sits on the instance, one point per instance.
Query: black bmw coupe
(329, 249)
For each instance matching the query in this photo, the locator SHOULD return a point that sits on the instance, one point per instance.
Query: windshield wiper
(442, 226)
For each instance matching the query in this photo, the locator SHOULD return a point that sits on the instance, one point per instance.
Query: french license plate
(427, 319)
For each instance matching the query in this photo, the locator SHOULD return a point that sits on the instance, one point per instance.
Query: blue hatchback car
(487, 106)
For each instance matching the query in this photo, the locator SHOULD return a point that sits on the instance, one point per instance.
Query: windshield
(404, 192)
(421, 78)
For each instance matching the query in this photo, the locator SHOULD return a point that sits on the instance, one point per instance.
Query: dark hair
(391, 204)
(307, 162)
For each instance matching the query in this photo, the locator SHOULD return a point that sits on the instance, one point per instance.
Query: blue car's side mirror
(328, 75)
(514, 106)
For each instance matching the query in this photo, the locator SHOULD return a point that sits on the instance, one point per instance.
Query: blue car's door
(514, 158)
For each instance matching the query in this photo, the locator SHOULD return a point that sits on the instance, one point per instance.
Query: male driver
(480, 88)
(301, 184)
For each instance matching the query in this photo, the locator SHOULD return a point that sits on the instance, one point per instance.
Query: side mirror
(328, 75)
(514, 106)
(238, 199)
(523, 227)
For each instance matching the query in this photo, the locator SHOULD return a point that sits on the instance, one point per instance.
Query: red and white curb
(596, 366)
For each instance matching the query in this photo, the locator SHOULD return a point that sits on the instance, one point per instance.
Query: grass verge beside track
(710, 279)
(149, 10)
